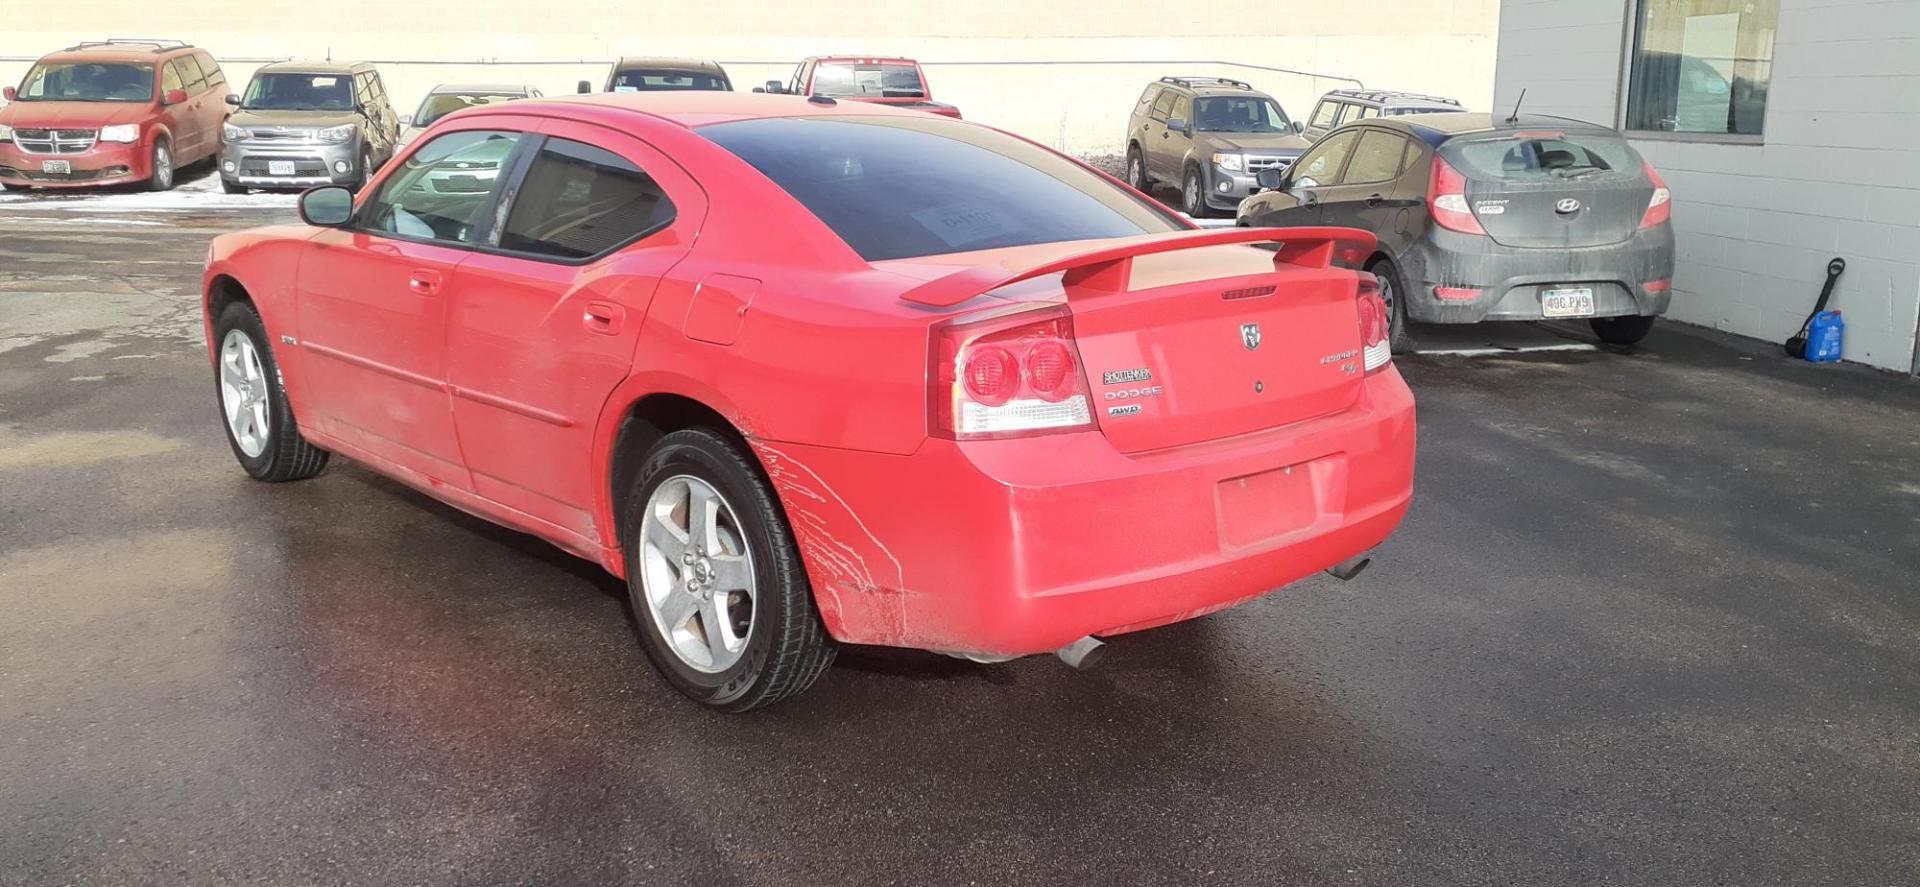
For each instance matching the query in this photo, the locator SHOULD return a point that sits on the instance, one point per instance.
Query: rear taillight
(1660, 205)
(1008, 376)
(1455, 293)
(1376, 330)
(1447, 199)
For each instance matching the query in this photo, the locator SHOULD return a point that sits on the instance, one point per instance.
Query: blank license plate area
(1567, 302)
(279, 167)
(1273, 505)
(62, 167)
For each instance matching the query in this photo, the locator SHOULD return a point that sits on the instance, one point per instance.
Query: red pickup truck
(882, 81)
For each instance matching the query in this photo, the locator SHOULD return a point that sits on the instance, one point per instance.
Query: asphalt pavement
(1653, 620)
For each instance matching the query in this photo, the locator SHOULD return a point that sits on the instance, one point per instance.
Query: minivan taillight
(1376, 330)
(1447, 199)
(1011, 375)
(1660, 206)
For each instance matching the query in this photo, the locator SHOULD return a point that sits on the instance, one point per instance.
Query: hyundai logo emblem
(1566, 206)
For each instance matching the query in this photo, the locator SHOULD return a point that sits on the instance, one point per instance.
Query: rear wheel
(1137, 171)
(1622, 330)
(1400, 334)
(253, 402)
(162, 178)
(1193, 194)
(718, 589)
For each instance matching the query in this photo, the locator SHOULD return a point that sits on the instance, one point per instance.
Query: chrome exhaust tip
(1082, 654)
(1347, 569)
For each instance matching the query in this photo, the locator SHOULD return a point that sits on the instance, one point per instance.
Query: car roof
(122, 51)
(314, 67)
(691, 108)
(1437, 128)
(867, 59)
(1211, 86)
(481, 89)
(667, 63)
(1393, 98)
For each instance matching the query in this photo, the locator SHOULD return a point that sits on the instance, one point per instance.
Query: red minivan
(111, 113)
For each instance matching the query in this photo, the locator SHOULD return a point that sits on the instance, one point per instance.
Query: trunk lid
(1553, 189)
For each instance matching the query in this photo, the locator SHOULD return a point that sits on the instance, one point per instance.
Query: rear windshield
(636, 80)
(87, 82)
(440, 104)
(896, 188)
(299, 92)
(1541, 156)
(879, 81)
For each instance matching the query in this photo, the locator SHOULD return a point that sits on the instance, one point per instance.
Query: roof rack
(1192, 82)
(1385, 95)
(158, 45)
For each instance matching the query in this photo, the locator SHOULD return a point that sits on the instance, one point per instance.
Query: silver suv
(302, 124)
(1347, 105)
(1209, 136)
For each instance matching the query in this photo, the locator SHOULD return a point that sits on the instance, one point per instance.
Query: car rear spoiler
(1108, 268)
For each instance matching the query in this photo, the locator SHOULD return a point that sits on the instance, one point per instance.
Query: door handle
(424, 282)
(604, 318)
(1376, 199)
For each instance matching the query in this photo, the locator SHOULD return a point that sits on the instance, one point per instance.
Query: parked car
(1490, 219)
(1209, 137)
(882, 81)
(110, 113)
(1347, 105)
(651, 74)
(450, 97)
(302, 124)
(974, 397)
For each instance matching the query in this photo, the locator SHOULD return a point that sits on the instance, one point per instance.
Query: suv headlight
(335, 133)
(1229, 162)
(234, 133)
(125, 133)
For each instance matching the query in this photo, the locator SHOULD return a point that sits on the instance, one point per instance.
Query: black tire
(1137, 170)
(1622, 330)
(1399, 325)
(287, 456)
(366, 169)
(161, 166)
(13, 187)
(787, 647)
(1193, 194)
(232, 187)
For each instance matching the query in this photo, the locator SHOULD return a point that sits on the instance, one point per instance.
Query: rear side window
(1324, 114)
(1541, 156)
(190, 74)
(901, 187)
(1376, 158)
(579, 201)
(1146, 99)
(210, 68)
(1163, 105)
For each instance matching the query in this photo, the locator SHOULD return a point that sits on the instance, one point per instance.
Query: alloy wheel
(243, 393)
(697, 574)
(162, 166)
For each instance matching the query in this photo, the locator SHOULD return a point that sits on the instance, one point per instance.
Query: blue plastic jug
(1824, 337)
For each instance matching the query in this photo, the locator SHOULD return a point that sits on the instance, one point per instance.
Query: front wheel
(1622, 330)
(232, 187)
(253, 402)
(719, 593)
(162, 178)
(1193, 195)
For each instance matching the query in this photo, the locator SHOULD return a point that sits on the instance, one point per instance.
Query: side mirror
(328, 206)
(406, 120)
(583, 87)
(759, 89)
(773, 86)
(174, 97)
(10, 93)
(1299, 126)
(1179, 125)
(1270, 179)
(233, 100)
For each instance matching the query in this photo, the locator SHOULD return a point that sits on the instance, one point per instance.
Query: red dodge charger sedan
(808, 372)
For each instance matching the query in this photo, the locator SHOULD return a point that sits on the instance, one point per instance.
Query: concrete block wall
(1838, 173)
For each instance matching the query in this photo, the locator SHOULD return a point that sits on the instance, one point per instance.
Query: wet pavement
(1652, 620)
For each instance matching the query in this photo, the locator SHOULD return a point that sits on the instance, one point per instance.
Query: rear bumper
(1510, 279)
(106, 163)
(247, 163)
(1013, 547)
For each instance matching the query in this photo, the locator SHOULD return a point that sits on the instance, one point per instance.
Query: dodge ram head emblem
(1567, 206)
(1250, 335)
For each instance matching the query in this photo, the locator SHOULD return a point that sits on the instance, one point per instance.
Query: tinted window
(649, 81)
(1542, 156)
(1163, 105)
(868, 81)
(902, 187)
(444, 190)
(1324, 114)
(1241, 114)
(579, 201)
(1376, 158)
(87, 82)
(299, 92)
(1322, 164)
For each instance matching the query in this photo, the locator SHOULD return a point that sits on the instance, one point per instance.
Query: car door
(1365, 195)
(213, 101)
(1298, 202)
(190, 139)
(545, 322)
(1154, 146)
(178, 116)
(373, 300)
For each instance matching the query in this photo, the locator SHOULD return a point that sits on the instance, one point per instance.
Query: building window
(1702, 66)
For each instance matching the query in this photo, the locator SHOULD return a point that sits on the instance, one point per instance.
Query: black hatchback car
(1481, 218)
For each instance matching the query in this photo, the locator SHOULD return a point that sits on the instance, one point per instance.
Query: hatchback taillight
(1008, 376)
(1376, 329)
(1447, 199)
(1660, 206)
